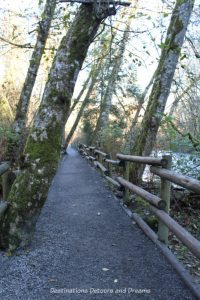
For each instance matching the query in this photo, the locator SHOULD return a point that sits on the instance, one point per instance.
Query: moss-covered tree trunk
(22, 107)
(42, 151)
(146, 137)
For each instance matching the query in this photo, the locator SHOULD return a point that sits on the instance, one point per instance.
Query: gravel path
(85, 247)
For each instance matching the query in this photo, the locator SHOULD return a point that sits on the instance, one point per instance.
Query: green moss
(179, 2)
(42, 151)
(151, 221)
(13, 240)
(30, 189)
(47, 150)
(178, 26)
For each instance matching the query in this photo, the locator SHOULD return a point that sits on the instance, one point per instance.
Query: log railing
(4, 168)
(159, 206)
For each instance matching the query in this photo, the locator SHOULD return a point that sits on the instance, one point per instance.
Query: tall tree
(132, 132)
(42, 35)
(93, 75)
(146, 136)
(106, 100)
(77, 99)
(42, 151)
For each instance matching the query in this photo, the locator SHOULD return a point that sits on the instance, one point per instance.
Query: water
(182, 163)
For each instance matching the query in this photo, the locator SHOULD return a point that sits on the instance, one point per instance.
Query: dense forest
(120, 76)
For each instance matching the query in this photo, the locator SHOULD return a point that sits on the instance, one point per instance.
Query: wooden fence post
(126, 198)
(110, 169)
(100, 159)
(163, 230)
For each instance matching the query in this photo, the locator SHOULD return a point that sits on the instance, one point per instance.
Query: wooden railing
(159, 206)
(4, 167)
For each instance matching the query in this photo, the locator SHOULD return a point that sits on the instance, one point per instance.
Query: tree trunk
(146, 137)
(42, 151)
(83, 105)
(76, 101)
(106, 101)
(22, 107)
(132, 132)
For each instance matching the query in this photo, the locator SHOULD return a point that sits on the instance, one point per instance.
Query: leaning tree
(146, 136)
(25, 96)
(42, 151)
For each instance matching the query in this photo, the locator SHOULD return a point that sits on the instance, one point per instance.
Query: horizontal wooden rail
(4, 167)
(157, 205)
(82, 146)
(101, 153)
(101, 167)
(3, 207)
(152, 199)
(183, 235)
(92, 158)
(143, 159)
(114, 182)
(182, 180)
(112, 162)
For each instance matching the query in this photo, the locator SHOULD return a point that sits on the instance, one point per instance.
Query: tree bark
(76, 101)
(106, 101)
(146, 137)
(83, 105)
(22, 107)
(43, 31)
(42, 151)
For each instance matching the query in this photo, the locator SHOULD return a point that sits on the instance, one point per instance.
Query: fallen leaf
(52, 279)
(105, 269)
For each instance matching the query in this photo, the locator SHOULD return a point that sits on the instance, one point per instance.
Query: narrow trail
(84, 241)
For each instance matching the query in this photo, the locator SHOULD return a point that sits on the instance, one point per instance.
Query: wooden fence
(159, 206)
